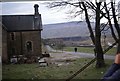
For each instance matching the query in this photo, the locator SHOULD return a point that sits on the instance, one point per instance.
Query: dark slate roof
(20, 22)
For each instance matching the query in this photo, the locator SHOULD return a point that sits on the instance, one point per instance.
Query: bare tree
(116, 26)
(100, 11)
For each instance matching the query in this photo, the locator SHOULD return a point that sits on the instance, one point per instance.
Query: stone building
(21, 35)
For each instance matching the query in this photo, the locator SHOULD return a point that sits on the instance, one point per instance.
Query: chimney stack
(36, 8)
(37, 18)
(38, 25)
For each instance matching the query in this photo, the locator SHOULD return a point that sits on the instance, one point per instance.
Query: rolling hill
(69, 29)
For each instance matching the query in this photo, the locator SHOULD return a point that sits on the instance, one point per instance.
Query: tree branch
(88, 23)
(110, 24)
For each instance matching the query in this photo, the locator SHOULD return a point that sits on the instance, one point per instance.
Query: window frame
(31, 46)
(12, 36)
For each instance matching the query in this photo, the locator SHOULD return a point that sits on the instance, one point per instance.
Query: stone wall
(4, 46)
(14, 46)
(20, 43)
(34, 37)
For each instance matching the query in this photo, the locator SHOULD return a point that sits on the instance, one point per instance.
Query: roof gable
(19, 22)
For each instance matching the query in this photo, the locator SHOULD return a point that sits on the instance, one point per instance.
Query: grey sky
(26, 7)
(48, 15)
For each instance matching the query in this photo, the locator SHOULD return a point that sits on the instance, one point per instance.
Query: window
(12, 36)
(29, 46)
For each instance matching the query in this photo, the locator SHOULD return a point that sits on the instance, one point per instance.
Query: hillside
(69, 29)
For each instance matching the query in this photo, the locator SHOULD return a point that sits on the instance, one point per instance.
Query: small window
(29, 46)
(12, 36)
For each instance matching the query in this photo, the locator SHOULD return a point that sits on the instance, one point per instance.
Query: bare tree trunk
(89, 25)
(110, 24)
(100, 58)
(116, 26)
(97, 38)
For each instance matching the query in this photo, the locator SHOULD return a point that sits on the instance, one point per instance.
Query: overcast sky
(49, 16)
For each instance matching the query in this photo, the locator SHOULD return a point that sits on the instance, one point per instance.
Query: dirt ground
(63, 56)
(61, 59)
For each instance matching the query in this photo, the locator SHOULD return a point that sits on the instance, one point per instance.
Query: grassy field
(33, 71)
(89, 50)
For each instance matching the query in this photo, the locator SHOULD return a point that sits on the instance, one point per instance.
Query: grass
(80, 49)
(32, 71)
(89, 50)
